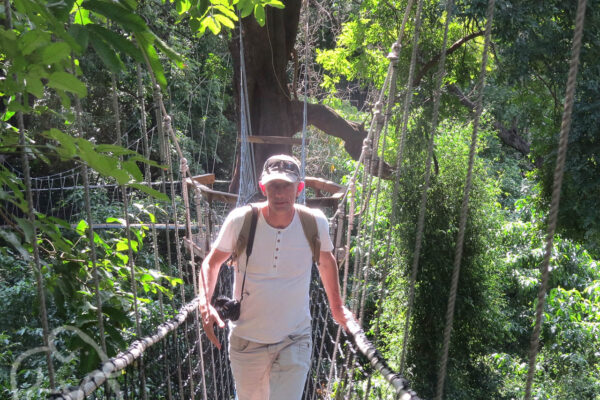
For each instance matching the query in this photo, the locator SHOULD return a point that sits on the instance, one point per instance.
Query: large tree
(274, 110)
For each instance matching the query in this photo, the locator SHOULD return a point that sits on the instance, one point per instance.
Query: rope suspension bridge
(173, 359)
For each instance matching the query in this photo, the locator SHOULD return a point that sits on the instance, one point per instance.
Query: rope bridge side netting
(173, 359)
(171, 363)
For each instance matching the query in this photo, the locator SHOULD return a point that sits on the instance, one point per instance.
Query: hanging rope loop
(394, 54)
(367, 148)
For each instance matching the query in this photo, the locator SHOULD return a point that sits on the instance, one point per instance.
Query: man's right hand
(210, 317)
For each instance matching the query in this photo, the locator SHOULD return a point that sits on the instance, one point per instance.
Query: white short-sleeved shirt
(276, 299)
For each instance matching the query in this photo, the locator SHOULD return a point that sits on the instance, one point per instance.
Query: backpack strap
(242, 240)
(250, 244)
(309, 226)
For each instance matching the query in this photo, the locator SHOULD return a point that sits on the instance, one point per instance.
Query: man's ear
(300, 187)
(262, 188)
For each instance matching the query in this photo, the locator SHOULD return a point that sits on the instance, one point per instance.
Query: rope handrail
(107, 369)
(367, 348)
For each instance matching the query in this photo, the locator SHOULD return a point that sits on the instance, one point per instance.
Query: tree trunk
(273, 112)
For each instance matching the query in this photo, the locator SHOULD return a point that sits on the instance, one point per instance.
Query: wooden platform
(319, 185)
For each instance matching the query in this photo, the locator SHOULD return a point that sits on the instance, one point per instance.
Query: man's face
(281, 195)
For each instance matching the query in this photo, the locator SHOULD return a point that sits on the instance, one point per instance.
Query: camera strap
(250, 244)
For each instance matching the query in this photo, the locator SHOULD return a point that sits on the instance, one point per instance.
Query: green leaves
(67, 82)
(103, 159)
(216, 14)
(126, 19)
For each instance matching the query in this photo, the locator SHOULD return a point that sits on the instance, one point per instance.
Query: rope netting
(175, 359)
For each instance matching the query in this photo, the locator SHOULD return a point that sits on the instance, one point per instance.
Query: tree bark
(510, 137)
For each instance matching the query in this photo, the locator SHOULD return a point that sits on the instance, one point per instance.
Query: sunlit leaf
(259, 14)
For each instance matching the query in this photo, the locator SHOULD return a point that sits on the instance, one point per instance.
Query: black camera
(227, 308)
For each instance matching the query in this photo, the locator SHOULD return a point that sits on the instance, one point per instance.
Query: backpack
(245, 238)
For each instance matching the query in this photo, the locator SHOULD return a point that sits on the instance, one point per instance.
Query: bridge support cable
(558, 177)
(37, 265)
(153, 231)
(90, 230)
(115, 105)
(465, 205)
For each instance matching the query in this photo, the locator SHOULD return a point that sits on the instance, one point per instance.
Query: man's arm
(329, 275)
(208, 279)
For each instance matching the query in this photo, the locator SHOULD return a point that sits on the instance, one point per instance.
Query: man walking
(270, 343)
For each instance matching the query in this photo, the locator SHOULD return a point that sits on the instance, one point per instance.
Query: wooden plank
(206, 179)
(323, 184)
(276, 140)
(212, 195)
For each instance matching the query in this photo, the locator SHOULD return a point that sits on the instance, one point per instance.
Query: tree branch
(455, 46)
(327, 120)
(511, 137)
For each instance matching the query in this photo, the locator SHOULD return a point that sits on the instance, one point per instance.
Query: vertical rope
(302, 197)
(558, 177)
(90, 230)
(188, 223)
(37, 267)
(399, 159)
(248, 177)
(154, 234)
(465, 206)
(115, 104)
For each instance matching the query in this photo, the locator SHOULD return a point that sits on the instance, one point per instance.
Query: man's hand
(342, 316)
(209, 318)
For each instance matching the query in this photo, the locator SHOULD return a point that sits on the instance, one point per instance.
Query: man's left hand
(342, 316)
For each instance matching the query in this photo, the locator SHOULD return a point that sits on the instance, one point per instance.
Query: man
(270, 343)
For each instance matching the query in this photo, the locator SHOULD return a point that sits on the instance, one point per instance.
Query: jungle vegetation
(65, 64)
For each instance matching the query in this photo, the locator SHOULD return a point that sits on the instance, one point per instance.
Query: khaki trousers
(270, 371)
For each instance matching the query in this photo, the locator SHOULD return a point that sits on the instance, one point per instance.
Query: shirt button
(274, 266)
(276, 257)
(277, 249)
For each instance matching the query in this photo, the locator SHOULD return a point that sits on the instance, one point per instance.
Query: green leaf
(152, 192)
(67, 142)
(225, 21)
(80, 34)
(274, 3)
(202, 7)
(32, 40)
(194, 24)
(81, 15)
(131, 167)
(106, 54)
(210, 23)
(259, 14)
(117, 42)
(14, 241)
(169, 52)
(227, 11)
(55, 52)
(130, 4)
(67, 82)
(182, 6)
(27, 228)
(122, 246)
(8, 115)
(81, 227)
(145, 42)
(128, 20)
(116, 315)
(33, 85)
